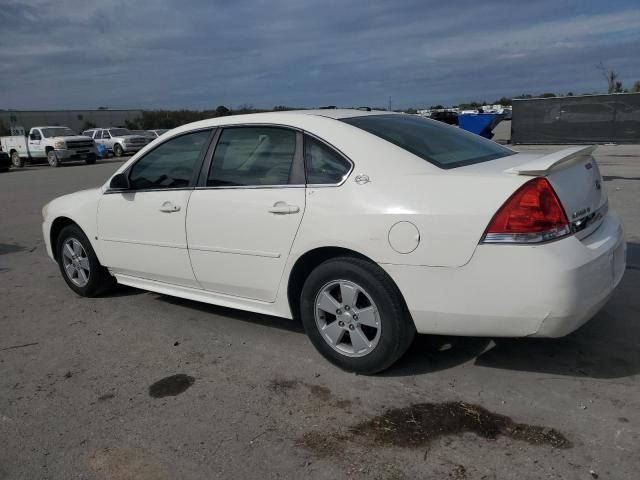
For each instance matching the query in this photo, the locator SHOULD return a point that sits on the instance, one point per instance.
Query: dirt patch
(282, 386)
(324, 395)
(127, 464)
(106, 396)
(418, 425)
(171, 386)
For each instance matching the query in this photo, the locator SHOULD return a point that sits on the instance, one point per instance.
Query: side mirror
(119, 182)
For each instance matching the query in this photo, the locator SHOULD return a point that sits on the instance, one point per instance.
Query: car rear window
(442, 145)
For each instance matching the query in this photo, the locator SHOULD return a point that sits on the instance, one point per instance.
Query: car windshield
(57, 132)
(118, 132)
(440, 144)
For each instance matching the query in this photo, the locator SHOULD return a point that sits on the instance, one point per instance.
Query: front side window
(97, 135)
(170, 165)
(437, 143)
(253, 156)
(324, 165)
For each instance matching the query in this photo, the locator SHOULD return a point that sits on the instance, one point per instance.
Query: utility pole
(389, 102)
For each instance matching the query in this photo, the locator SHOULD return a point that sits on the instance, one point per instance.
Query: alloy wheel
(75, 262)
(347, 318)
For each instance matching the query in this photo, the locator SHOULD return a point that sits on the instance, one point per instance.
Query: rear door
(245, 213)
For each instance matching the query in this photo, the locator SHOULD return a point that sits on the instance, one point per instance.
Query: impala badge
(362, 179)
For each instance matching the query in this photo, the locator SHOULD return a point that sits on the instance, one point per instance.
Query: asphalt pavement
(138, 385)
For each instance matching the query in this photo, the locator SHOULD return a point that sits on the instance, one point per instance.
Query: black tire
(16, 160)
(117, 150)
(90, 160)
(53, 159)
(397, 329)
(99, 280)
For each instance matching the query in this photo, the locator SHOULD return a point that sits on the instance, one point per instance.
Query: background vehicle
(156, 133)
(118, 141)
(144, 133)
(5, 161)
(55, 144)
(368, 226)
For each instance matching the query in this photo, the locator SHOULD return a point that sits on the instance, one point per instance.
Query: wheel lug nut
(338, 312)
(355, 317)
(347, 308)
(341, 323)
(351, 327)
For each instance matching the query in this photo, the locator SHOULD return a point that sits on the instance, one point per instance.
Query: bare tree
(614, 86)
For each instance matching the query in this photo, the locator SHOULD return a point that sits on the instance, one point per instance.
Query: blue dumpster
(480, 123)
(101, 150)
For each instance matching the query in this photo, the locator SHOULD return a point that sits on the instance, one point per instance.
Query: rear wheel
(53, 159)
(16, 160)
(79, 264)
(117, 150)
(355, 315)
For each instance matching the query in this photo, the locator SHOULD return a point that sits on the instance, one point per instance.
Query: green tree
(222, 111)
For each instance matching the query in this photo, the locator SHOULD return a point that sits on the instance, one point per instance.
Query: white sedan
(367, 226)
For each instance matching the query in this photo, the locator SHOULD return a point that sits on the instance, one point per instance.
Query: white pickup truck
(55, 144)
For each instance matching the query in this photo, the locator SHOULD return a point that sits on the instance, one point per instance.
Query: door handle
(169, 207)
(283, 208)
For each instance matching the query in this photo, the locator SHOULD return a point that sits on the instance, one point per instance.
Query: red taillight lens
(532, 214)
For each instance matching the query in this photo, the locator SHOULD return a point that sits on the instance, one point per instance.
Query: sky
(198, 54)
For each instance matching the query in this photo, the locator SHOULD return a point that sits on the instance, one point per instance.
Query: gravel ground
(144, 386)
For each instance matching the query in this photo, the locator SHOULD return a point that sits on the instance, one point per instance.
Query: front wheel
(90, 160)
(16, 160)
(53, 159)
(117, 150)
(79, 264)
(355, 316)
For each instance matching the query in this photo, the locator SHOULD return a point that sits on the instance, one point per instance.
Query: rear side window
(324, 165)
(171, 164)
(252, 156)
(435, 142)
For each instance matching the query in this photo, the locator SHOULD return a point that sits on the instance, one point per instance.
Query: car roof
(340, 113)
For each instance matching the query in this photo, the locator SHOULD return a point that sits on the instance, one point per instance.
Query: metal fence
(584, 119)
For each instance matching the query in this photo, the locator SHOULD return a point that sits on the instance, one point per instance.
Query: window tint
(171, 165)
(324, 165)
(105, 134)
(252, 156)
(435, 142)
(97, 134)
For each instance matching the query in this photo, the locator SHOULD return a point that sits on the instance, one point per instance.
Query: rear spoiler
(541, 166)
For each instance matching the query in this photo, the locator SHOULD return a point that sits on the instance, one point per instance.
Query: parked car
(118, 141)
(55, 144)
(5, 161)
(156, 133)
(368, 226)
(144, 133)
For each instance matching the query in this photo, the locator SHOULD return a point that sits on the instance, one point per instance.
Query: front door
(142, 230)
(242, 221)
(36, 148)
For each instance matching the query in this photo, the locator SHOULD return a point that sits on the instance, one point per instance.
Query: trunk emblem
(588, 166)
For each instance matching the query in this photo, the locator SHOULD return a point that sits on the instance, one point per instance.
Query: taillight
(532, 214)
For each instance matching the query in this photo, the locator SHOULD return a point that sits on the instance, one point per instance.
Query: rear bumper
(517, 290)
